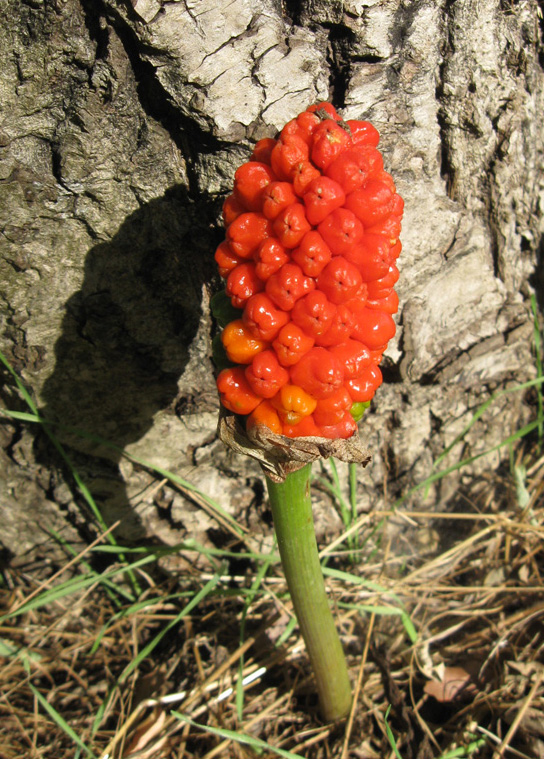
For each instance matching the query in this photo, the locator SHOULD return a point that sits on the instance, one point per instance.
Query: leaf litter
(446, 652)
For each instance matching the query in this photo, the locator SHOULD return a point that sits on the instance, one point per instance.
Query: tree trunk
(121, 130)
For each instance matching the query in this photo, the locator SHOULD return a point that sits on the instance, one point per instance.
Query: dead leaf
(455, 681)
(146, 732)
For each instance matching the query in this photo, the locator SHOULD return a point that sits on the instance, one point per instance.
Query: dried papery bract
(279, 455)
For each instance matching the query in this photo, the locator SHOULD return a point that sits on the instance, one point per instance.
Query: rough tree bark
(122, 124)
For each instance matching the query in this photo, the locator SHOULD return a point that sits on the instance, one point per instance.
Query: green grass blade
(481, 411)
(190, 545)
(287, 632)
(36, 418)
(10, 651)
(20, 386)
(390, 735)
(523, 432)
(83, 489)
(248, 740)
(148, 649)
(144, 653)
(134, 609)
(411, 631)
(353, 491)
(111, 588)
(188, 486)
(22, 416)
(537, 339)
(377, 609)
(100, 712)
(336, 492)
(61, 722)
(465, 751)
(385, 611)
(338, 574)
(347, 508)
(347, 577)
(71, 586)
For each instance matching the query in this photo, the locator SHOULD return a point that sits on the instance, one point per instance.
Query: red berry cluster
(312, 229)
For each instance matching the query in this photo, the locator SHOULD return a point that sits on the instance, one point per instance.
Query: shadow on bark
(537, 279)
(125, 341)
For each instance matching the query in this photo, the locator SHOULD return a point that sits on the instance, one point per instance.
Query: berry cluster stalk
(294, 525)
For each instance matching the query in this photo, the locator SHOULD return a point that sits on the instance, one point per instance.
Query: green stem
(293, 521)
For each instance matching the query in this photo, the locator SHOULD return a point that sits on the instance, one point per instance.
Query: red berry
(362, 388)
(354, 357)
(236, 393)
(314, 313)
(232, 208)
(318, 372)
(242, 283)
(304, 173)
(340, 328)
(352, 168)
(262, 150)
(249, 182)
(225, 259)
(363, 133)
(322, 196)
(288, 285)
(287, 154)
(331, 410)
(291, 225)
(379, 288)
(305, 428)
(341, 230)
(291, 344)
(265, 376)
(371, 203)
(277, 196)
(340, 280)
(342, 430)
(247, 232)
(269, 257)
(372, 256)
(388, 303)
(313, 254)
(373, 328)
(329, 139)
(262, 317)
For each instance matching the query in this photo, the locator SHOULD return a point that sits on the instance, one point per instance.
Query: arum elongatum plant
(309, 259)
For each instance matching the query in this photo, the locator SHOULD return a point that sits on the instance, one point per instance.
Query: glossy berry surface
(309, 259)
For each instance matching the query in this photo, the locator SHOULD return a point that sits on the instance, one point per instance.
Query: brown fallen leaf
(146, 732)
(455, 681)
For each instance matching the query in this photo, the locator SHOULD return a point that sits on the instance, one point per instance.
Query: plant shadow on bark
(537, 280)
(125, 342)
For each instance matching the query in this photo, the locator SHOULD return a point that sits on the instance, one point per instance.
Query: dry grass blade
(349, 727)
(499, 753)
(64, 568)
